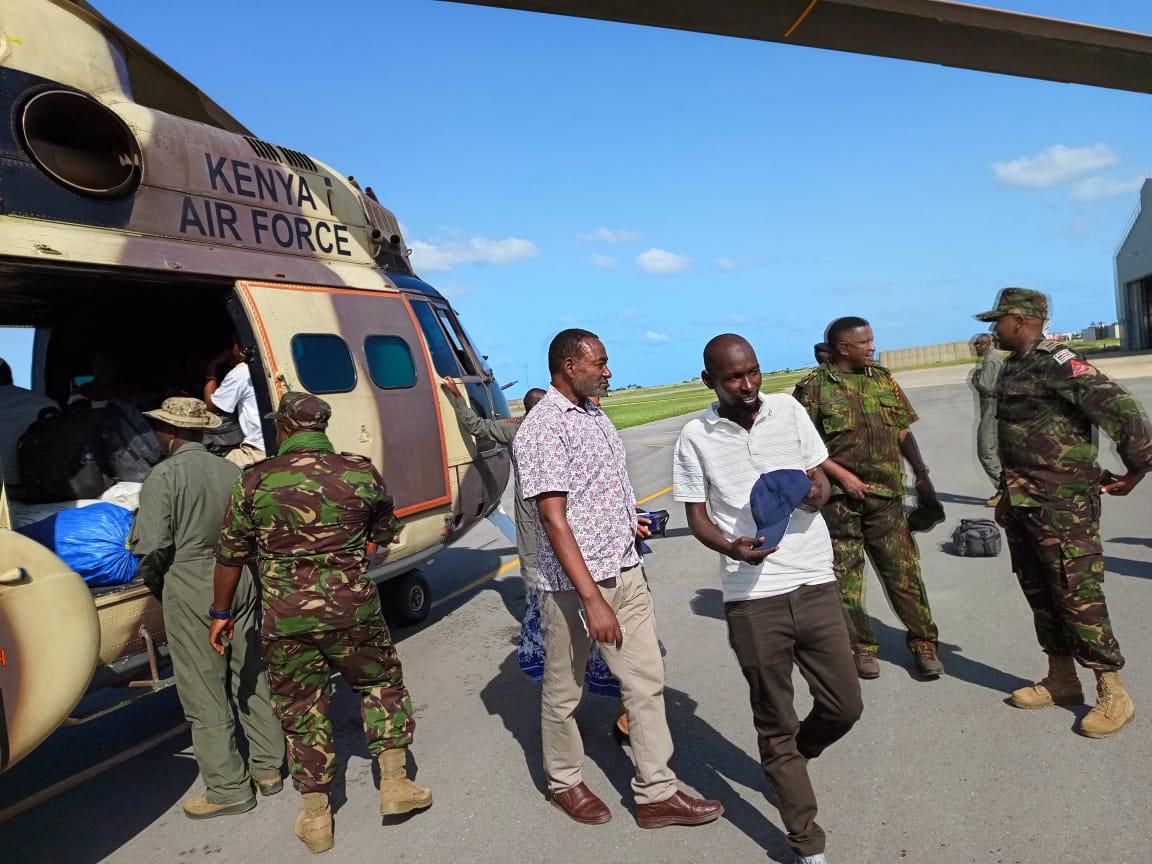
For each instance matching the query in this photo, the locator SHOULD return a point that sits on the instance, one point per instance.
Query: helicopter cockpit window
(390, 362)
(323, 363)
(457, 338)
(443, 354)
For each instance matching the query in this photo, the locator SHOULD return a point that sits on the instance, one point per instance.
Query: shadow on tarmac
(708, 603)
(704, 759)
(956, 663)
(1128, 567)
(1133, 541)
(107, 818)
(953, 498)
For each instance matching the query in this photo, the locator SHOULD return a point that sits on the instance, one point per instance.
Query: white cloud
(474, 250)
(611, 235)
(1055, 165)
(660, 262)
(654, 338)
(1098, 188)
(602, 260)
(725, 264)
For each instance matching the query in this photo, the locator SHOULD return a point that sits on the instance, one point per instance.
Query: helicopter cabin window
(443, 355)
(390, 362)
(323, 363)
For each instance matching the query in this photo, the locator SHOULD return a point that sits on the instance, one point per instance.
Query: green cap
(1018, 301)
(302, 411)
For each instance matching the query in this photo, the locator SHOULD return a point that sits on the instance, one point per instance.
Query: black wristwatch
(218, 614)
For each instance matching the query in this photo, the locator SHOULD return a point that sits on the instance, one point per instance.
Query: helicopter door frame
(388, 424)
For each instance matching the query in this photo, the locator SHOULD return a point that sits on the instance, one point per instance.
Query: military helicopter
(137, 214)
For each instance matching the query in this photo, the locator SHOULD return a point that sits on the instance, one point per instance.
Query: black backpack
(129, 442)
(976, 538)
(61, 456)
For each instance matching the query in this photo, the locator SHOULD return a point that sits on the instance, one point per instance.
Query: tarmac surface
(940, 772)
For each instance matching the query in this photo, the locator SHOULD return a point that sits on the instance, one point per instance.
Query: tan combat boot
(1059, 687)
(314, 824)
(398, 794)
(1113, 709)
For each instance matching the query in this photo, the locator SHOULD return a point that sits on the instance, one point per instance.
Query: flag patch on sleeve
(1063, 355)
(1078, 367)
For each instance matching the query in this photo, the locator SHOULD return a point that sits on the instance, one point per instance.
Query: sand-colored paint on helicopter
(133, 206)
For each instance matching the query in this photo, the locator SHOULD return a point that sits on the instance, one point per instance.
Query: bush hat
(186, 412)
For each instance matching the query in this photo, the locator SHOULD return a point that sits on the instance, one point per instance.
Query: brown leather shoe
(581, 803)
(680, 809)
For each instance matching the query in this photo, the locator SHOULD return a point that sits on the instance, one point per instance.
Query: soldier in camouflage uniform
(1050, 398)
(307, 516)
(863, 417)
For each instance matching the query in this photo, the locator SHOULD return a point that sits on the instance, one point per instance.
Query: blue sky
(660, 187)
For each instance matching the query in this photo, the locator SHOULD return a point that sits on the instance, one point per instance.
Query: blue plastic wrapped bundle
(92, 540)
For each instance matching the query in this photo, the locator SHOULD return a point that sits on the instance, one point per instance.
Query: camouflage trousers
(299, 672)
(1058, 560)
(876, 527)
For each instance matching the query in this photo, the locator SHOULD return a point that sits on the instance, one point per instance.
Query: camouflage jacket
(1049, 400)
(306, 517)
(860, 416)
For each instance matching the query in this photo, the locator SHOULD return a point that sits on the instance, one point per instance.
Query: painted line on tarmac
(654, 495)
(88, 773)
(645, 444)
(476, 583)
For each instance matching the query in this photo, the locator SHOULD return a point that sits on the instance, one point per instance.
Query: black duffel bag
(976, 538)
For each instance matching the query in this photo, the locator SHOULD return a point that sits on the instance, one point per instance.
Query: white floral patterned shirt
(562, 447)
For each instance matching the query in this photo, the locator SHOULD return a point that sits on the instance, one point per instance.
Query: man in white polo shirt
(782, 603)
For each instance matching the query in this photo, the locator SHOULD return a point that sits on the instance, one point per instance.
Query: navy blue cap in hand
(774, 497)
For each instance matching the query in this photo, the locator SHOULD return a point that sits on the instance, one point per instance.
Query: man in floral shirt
(571, 466)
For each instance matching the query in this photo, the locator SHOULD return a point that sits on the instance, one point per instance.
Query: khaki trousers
(638, 665)
(245, 455)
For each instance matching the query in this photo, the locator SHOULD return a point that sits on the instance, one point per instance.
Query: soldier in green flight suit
(1050, 399)
(863, 417)
(182, 503)
(306, 516)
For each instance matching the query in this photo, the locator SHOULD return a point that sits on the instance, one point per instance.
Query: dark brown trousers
(805, 627)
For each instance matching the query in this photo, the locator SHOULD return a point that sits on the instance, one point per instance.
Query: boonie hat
(302, 411)
(1018, 301)
(774, 497)
(186, 412)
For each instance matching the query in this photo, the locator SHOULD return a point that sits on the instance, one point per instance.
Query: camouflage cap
(1018, 301)
(185, 412)
(302, 411)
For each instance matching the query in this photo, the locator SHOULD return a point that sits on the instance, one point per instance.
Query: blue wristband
(218, 614)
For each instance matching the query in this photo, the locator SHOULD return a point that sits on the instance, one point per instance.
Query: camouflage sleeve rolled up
(237, 543)
(1110, 407)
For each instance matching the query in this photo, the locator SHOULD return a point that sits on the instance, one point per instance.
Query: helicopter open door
(361, 352)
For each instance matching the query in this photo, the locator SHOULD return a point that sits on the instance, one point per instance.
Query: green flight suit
(986, 381)
(182, 504)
